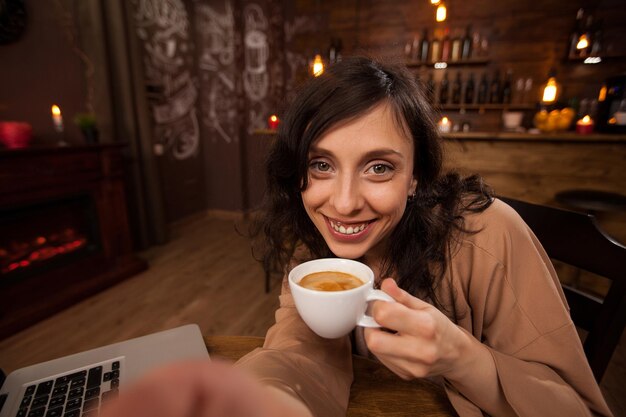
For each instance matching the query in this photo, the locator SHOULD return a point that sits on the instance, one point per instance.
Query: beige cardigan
(503, 287)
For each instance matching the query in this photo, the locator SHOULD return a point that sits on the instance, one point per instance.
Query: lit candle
(584, 126)
(445, 125)
(273, 122)
(57, 119)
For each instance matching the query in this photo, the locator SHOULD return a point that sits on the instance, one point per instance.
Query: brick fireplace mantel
(52, 181)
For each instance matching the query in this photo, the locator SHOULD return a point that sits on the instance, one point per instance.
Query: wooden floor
(204, 275)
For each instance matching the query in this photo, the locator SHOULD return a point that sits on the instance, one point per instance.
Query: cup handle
(368, 321)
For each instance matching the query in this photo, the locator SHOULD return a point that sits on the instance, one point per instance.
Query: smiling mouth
(348, 229)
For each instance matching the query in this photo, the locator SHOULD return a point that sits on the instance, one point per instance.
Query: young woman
(356, 172)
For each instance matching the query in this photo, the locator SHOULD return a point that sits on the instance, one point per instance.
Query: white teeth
(350, 230)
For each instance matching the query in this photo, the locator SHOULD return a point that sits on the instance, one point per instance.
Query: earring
(411, 197)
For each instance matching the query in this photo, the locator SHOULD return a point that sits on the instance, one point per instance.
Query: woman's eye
(380, 169)
(320, 166)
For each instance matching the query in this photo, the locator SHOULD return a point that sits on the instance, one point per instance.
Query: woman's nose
(347, 198)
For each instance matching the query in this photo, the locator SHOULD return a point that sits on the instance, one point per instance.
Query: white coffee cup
(333, 314)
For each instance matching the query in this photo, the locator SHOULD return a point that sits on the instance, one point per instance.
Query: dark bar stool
(592, 201)
(595, 202)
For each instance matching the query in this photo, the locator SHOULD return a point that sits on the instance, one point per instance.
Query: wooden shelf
(462, 63)
(604, 58)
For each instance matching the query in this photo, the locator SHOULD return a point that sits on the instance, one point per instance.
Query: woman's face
(360, 174)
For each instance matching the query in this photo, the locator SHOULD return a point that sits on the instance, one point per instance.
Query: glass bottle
(455, 54)
(466, 51)
(424, 47)
(494, 89)
(444, 90)
(430, 88)
(435, 49)
(445, 46)
(469, 90)
(507, 88)
(475, 45)
(456, 89)
(483, 89)
(596, 45)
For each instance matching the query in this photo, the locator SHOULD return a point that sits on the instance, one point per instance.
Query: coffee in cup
(333, 313)
(330, 281)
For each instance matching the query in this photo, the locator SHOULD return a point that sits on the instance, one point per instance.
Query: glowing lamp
(551, 89)
(318, 66)
(583, 42)
(441, 13)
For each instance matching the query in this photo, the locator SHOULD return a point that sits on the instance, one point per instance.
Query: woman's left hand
(426, 342)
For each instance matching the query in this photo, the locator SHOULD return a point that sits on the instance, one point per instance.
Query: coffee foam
(330, 281)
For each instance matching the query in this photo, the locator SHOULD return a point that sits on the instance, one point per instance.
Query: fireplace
(63, 230)
(39, 237)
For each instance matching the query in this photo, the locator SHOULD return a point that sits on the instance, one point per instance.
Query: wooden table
(376, 391)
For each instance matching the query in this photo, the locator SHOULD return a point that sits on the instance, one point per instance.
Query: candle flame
(56, 110)
(318, 66)
(586, 120)
(273, 118)
(445, 120)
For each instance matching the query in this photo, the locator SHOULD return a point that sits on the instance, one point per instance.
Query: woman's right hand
(203, 389)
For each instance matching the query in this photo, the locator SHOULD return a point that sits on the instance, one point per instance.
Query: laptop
(77, 385)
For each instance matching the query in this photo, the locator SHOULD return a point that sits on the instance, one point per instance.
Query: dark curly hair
(419, 245)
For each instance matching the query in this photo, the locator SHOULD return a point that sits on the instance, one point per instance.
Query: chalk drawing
(163, 27)
(216, 51)
(255, 75)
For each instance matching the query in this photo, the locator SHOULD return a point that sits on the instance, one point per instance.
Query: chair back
(575, 239)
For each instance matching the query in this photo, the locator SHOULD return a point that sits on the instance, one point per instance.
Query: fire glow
(20, 255)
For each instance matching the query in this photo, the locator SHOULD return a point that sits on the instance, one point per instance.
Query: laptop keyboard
(76, 394)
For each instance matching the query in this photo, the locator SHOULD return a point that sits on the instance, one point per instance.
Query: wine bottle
(444, 90)
(507, 88)
(445, 46)
(455, 55)
(466, 51)
(435, 49)
(483, 89)
(430, 88)
(424, 47)
(475, 45)
(456, 89)
(494, 89)
(469, 90)
(596, 45)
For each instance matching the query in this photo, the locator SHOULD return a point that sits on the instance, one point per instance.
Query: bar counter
(535, 167)
(539, 137)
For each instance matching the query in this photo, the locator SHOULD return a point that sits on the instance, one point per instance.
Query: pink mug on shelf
(15, 135)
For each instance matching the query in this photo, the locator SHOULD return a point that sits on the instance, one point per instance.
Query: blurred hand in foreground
(203, 389)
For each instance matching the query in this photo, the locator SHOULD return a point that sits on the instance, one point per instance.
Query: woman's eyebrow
(382, 153)
(374, 153)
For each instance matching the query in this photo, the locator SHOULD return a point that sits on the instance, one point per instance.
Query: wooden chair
(575, 239)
